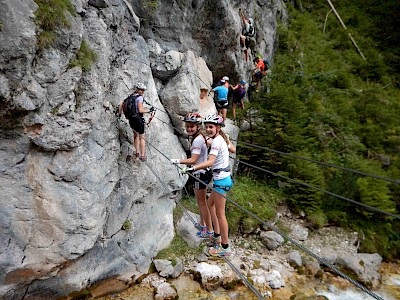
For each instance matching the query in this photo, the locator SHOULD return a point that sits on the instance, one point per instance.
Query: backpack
(240, 92)
(267, 63)
(230, 92)
(251, 31)
(129, 107)
(215, 96)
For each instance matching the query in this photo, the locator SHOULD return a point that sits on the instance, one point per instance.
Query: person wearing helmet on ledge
(226, 79)
(218, 160)
(198, 150)
(221, 104)
(134, 114)
(239, 91)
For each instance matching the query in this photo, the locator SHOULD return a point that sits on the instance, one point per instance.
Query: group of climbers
(207, 166)
(221, 95)
(248, 43)
(209, 159)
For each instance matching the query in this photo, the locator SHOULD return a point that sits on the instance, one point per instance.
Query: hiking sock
(217, 235)
(199, 226)
(225, 246)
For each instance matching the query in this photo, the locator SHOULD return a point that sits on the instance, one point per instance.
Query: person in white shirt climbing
(218, 159)
(198, 150)
(247, 38)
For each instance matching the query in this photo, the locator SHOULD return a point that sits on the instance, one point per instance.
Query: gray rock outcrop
(294, 259)
(271, 239)
(299, 233)
(76, 207)
(363, 266)
(211, 29)
(167, 269)
(187, 231)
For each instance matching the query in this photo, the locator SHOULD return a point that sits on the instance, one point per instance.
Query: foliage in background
(326, 103)
(50, 15)
(250, 193)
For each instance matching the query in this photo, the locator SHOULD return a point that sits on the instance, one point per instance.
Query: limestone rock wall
(68, 182)
(212, 28)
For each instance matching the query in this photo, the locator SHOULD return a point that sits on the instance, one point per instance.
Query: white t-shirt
(219, 148)
(199, 147)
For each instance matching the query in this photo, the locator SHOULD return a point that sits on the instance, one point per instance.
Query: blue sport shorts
(223, 185)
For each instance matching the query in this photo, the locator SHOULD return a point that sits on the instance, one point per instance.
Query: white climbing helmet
(140, 86)
(226, 78)
(214, 119)
(192, 118)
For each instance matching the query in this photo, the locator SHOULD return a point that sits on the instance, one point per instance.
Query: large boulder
(167, 268)
(363, 266)
(210, 276)
(271, 239)
(185, 228)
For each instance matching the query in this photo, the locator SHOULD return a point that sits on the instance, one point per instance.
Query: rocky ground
(277, 274)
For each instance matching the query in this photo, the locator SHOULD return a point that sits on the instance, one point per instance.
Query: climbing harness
(225, 188)
(227, 169)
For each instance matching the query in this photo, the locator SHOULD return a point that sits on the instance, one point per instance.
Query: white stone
(211, 276)
(165, 291)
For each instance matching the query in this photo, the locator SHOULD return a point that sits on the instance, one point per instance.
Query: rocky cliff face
(68, 184)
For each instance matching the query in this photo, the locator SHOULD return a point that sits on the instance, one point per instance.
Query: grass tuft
(85, 57)
(177, 248)
(127, 225)
(50, 15)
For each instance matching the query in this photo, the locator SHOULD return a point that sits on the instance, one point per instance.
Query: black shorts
(259, 75)
(237, 100)
(137, 124)
(222, 104)
(205, 177)
(250, 42)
